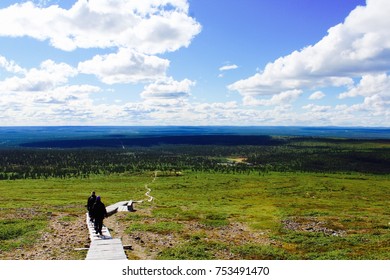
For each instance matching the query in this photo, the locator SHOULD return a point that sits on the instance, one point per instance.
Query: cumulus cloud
(370, 85)
(374, 110)
(42, 95)
(137, 30)
(278, 99)
(149, 26)
(48, 75)
(65, 105)
(354, 55)
(125, 66)
(358, 46)
(55, 106)
(167, 88)
(317, 108)
(204, 107)
(134, 33)
(65, 94)
(317, 95)
(10, 66)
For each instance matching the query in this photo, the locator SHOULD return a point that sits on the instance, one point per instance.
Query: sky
(195, 62)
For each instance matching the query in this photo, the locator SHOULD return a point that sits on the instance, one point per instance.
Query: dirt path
(148, 190)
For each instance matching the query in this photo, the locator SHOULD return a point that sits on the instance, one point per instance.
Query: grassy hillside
(206, 215)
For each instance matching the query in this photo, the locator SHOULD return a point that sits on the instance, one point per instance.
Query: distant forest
(121, 141)
(211, 153)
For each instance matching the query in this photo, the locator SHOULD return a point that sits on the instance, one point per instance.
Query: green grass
(16, 233)
(356, 204)
(188, 251)
(11, 229)
(160, 227)
(215, 220)
(262, 252)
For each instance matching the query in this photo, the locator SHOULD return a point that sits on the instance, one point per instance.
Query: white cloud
(167, 88)
(374, 105)
(48, 75)
(133, 34)
(163, 102)
(10, 66)
(43, 96)
(148, 26)
(317, 95)
(208, 107)
(68, 105)
(55, 96)
(359, 46)
(369, 85)
(136, 32)
(317, 108)
(125, 66)
(375, 108)
(139, 30)
(228, 67)
(65, 94)
(278, 99)
(56, 106)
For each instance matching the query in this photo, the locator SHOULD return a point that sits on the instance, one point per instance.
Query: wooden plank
(106, 250)
(112, 209)
(111, 249)
(103, 242)
(128, 207)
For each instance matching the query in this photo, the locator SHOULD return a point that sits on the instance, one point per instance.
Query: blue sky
(196, 62)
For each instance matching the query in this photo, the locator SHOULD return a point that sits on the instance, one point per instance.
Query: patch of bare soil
(65, 233)
(311, 224)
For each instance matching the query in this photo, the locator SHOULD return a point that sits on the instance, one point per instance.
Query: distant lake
(49, 136)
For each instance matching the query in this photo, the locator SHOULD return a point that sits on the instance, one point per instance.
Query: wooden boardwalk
(104, 247)
(120, 206)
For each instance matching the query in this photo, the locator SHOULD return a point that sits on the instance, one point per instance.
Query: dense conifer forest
(230, 154)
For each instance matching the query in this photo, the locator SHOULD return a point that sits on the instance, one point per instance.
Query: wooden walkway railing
(104, 247)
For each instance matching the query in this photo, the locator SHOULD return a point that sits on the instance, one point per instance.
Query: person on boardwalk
(91, 201)
(99, 212)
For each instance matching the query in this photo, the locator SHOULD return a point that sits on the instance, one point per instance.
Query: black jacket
(91, 202)
(99, 210)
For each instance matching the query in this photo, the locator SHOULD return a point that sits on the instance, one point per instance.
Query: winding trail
(147, 194)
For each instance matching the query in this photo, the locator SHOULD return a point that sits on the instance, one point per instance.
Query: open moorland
(278, 198)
